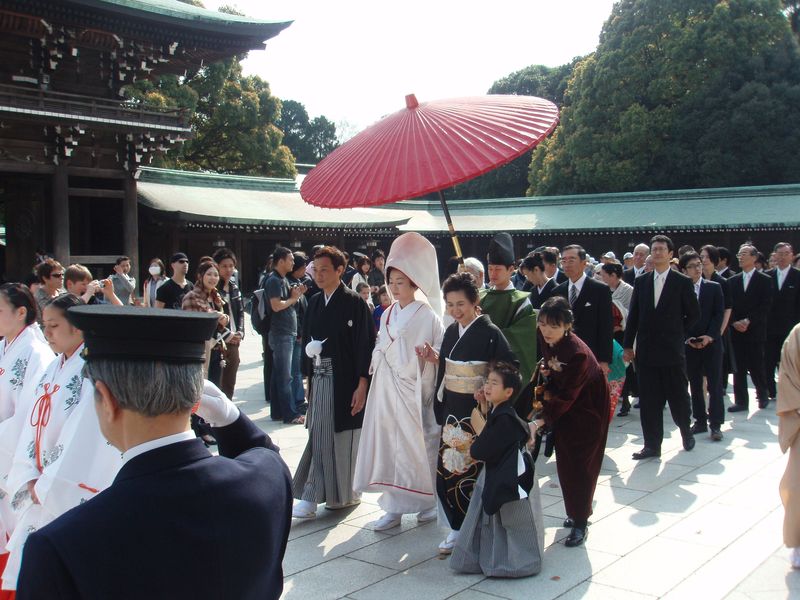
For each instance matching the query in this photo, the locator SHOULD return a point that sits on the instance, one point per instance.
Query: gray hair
(474, 264)
(150, 388)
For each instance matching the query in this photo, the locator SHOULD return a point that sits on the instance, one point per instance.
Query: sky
(354, 61)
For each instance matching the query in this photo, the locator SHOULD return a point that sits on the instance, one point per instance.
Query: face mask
(154, 270)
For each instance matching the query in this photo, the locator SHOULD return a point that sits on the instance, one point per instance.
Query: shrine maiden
(59, 391)
(24, 355)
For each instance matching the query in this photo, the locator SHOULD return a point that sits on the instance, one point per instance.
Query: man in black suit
(724, 267)
(709, 257)
(785, 311)
(591, 305)
(640, 254)
(176, 522)
(751, 293)
(551, 257)
(538, 283)
(704, 349)
(663, 308)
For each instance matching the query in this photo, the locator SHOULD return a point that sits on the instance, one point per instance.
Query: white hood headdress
(416, 258)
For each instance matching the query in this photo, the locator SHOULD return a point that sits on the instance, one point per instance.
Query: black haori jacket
(499, 445)
(347, 327)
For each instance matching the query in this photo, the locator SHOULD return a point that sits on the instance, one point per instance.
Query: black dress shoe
(576, 537)
(716, 435)
(737, 408)
(646, 453)
(636, 405)
(568, 522)
(699, 428)
(688, 442)
(763, 403)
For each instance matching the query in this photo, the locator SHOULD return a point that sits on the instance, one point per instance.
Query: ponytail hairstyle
(19, 296)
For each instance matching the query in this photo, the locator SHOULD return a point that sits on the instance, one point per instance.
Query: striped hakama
(325, 472)
(509, 543)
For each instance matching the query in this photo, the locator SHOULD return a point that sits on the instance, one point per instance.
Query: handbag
(530, 401)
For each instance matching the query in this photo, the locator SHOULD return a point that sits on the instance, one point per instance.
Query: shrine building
(71, 145)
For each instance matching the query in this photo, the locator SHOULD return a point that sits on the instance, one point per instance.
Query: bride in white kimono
(24, 355)
(400, 438)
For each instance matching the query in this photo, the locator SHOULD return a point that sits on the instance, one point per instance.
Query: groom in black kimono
(338, 336)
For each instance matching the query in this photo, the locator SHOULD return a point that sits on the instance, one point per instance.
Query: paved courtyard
(704, 524)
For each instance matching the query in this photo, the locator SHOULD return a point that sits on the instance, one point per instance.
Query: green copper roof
(192, 17)
(212, 198)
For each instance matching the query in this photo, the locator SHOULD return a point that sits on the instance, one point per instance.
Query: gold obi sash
(464, 377)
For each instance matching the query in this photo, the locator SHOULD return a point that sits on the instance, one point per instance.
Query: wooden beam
(130, 226)
(96, 193)
(101, 173)
(26, 167)
(94, 259)
(61, 215)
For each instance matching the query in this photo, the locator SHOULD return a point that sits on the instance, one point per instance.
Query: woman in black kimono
(468, 346)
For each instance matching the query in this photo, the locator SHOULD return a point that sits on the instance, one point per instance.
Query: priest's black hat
(151, 334)
(501, 250)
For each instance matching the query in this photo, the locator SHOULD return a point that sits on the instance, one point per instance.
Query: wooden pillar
(61, 247)
(130, 227)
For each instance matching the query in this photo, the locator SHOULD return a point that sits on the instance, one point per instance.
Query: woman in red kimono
(576, 407)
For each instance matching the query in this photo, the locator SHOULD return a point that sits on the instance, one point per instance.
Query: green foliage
(511, 180)
(233, 119)
(791, 9)
(309, 140)
(679, 94)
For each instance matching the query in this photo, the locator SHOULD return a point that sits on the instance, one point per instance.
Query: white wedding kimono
(22, 363)
(85, 465)
(400, 438)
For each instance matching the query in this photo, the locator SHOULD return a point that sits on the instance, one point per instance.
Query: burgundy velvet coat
(577, 412)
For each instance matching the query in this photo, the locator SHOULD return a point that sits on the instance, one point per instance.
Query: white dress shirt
(659, 279)
(746, 277)
(578, 285)
(782, 273)
(157, 443)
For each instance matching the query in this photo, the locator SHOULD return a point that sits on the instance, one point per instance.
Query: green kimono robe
(517, 322)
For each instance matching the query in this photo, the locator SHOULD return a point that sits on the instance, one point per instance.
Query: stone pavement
(704, 524)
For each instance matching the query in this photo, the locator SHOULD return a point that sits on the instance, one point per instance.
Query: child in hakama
(503, 532)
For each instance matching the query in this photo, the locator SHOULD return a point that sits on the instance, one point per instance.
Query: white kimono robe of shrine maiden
(58, 393)
(87, 464)
(22, 363)
(400, 438)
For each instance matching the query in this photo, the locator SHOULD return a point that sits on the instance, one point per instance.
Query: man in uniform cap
(509, 308)
(176, 522)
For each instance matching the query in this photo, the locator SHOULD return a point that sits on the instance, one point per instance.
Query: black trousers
(772, 358)
(660, 385)
(706, 363)
(749, 354)
(266, 355)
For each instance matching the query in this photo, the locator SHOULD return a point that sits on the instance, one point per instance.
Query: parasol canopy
(428, 147)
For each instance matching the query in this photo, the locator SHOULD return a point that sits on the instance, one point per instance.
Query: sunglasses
(56, 275)
(183, 261)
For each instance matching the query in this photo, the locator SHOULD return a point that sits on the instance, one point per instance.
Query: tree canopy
(232, 117)
(310, 140)
(511, 180)
(679, 94)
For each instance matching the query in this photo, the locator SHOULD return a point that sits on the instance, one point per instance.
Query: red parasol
(428, 147)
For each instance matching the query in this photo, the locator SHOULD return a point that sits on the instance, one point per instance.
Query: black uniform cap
(152, 334)
(501, 250)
